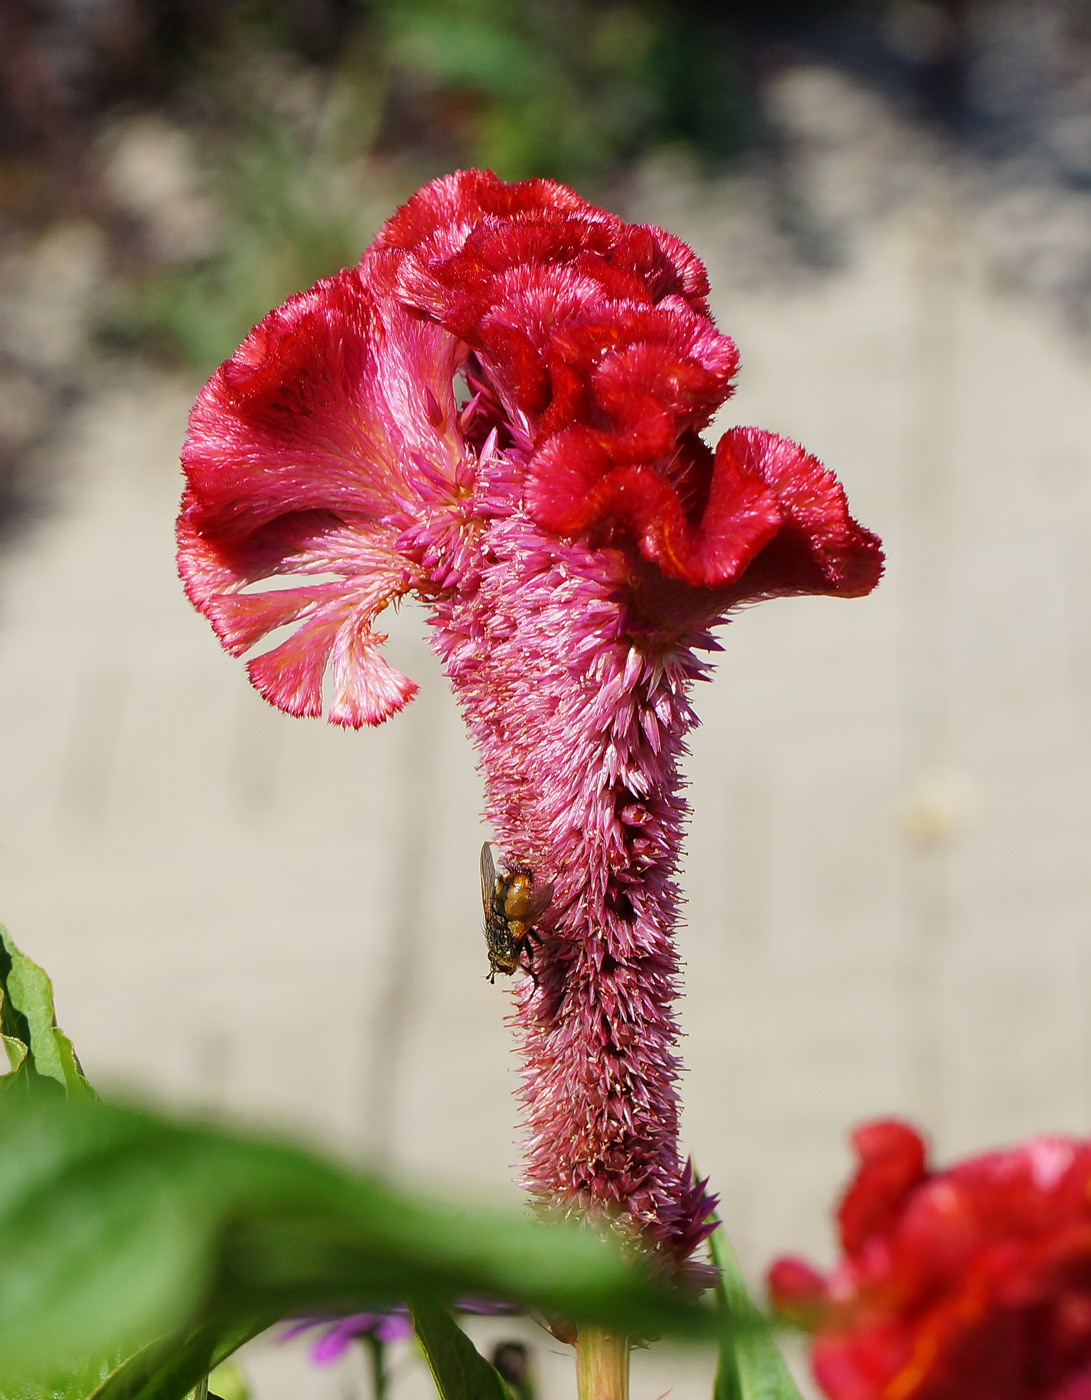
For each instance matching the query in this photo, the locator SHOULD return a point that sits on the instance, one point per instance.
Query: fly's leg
(528, 966)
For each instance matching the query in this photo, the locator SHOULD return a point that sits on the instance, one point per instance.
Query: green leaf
(458, 1368)
(38, 1051)
(750, 1366)
(72, 1385)
(119, 1227)
(174, 1366)
(228, 1382)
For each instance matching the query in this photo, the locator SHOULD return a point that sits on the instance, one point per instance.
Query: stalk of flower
(967, 1283)
(574, 540)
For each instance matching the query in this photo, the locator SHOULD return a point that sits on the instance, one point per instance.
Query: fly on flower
(574, 537)
(513, 903)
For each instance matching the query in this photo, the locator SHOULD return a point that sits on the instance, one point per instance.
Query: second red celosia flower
(970, 1283)
(500, 411)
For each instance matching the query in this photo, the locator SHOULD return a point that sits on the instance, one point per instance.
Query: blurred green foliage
(459, 1370)
(228, 1382)
(567, 88)
(282, 231)
(304, 159)
(283, 151)
(750, 1365)
(139, 1252)
(171, 1243)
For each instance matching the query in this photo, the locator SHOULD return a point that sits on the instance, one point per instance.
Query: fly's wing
(488, 878)
(538, 901)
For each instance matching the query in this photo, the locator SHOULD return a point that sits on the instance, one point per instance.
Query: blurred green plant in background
(139, 1252)
(303, 159)
(282, 150)
(565, 88)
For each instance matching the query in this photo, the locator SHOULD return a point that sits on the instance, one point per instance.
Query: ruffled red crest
(307, 453)
(892, 1161)
(331, 445)
(970, 1282)
(596, 335)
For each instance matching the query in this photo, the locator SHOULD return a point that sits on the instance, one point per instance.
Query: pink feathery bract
(500, 411)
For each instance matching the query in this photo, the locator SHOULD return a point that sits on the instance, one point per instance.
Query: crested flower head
(500, 412)
(970, 1283)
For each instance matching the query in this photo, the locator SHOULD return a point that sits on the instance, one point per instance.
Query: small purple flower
(339, 1333)
(391, 1325)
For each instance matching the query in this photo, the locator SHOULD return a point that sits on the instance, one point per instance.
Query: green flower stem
(376, 1350)
(602, 1364)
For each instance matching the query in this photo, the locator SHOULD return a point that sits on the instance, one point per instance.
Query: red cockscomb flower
(972, 1283)
(499, 410)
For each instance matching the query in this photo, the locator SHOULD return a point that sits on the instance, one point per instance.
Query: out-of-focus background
(889, 884)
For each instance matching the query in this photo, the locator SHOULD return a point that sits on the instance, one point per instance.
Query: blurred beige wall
(888, 879)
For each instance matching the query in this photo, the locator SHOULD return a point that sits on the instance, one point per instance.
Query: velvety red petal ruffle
(331, 445)
(974, 1282)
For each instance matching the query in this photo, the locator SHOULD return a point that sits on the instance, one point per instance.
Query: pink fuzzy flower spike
(574, 539)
